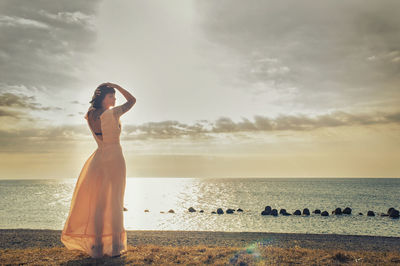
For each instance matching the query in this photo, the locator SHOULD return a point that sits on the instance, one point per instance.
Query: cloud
(42, 41)
(7, 21)
(205, 129)
(76, 18)
(335, 53)
(303, 122)
(22, 101)
(6, 113)
(51, 137)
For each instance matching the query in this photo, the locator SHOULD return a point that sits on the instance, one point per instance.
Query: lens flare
(254, 249)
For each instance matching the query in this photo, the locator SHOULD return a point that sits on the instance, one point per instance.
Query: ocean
(44, 204)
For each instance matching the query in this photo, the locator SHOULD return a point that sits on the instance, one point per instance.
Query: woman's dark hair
(98, 99)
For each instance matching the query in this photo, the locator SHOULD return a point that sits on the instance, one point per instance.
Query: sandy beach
(26, 238)
(208, 247)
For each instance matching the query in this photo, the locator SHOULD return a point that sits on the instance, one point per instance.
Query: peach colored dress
(95, 222)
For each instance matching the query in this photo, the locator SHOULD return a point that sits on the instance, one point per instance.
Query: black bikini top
(119, 125)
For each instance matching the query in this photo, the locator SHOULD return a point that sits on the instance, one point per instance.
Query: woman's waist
(109, 145)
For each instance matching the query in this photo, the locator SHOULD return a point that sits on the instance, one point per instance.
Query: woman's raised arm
(131, 100)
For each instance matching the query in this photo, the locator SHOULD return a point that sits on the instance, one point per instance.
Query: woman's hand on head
(109, 84)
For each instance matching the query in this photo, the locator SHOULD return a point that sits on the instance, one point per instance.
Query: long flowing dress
(95, 221)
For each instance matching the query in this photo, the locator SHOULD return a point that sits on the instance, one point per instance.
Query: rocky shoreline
(28, 238)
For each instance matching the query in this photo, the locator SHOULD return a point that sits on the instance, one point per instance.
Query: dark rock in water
(297, 212)
(230, 210)
(325, 213)
(191, 209)
(286, 214)
(390, 209)
(347, 210)
(360, 213)
(282, 211)
(213, 212)
(171, 211)
(239, 210)
(267, 210)
(394, 213)
(317, 211)
(306, 211)
(274, 212)
(338, 211)
(201, 211)
(370, 213)
(220, 211)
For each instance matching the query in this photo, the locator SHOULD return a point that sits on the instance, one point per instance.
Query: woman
(95, 221)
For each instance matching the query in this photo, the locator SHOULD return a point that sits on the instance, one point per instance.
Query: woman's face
(109, 100)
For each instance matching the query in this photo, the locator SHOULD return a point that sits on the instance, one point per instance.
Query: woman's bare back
(95, 123)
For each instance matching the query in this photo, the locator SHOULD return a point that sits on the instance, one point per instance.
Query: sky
(223, 88)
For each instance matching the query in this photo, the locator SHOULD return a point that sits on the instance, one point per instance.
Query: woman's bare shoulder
(94, 115)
